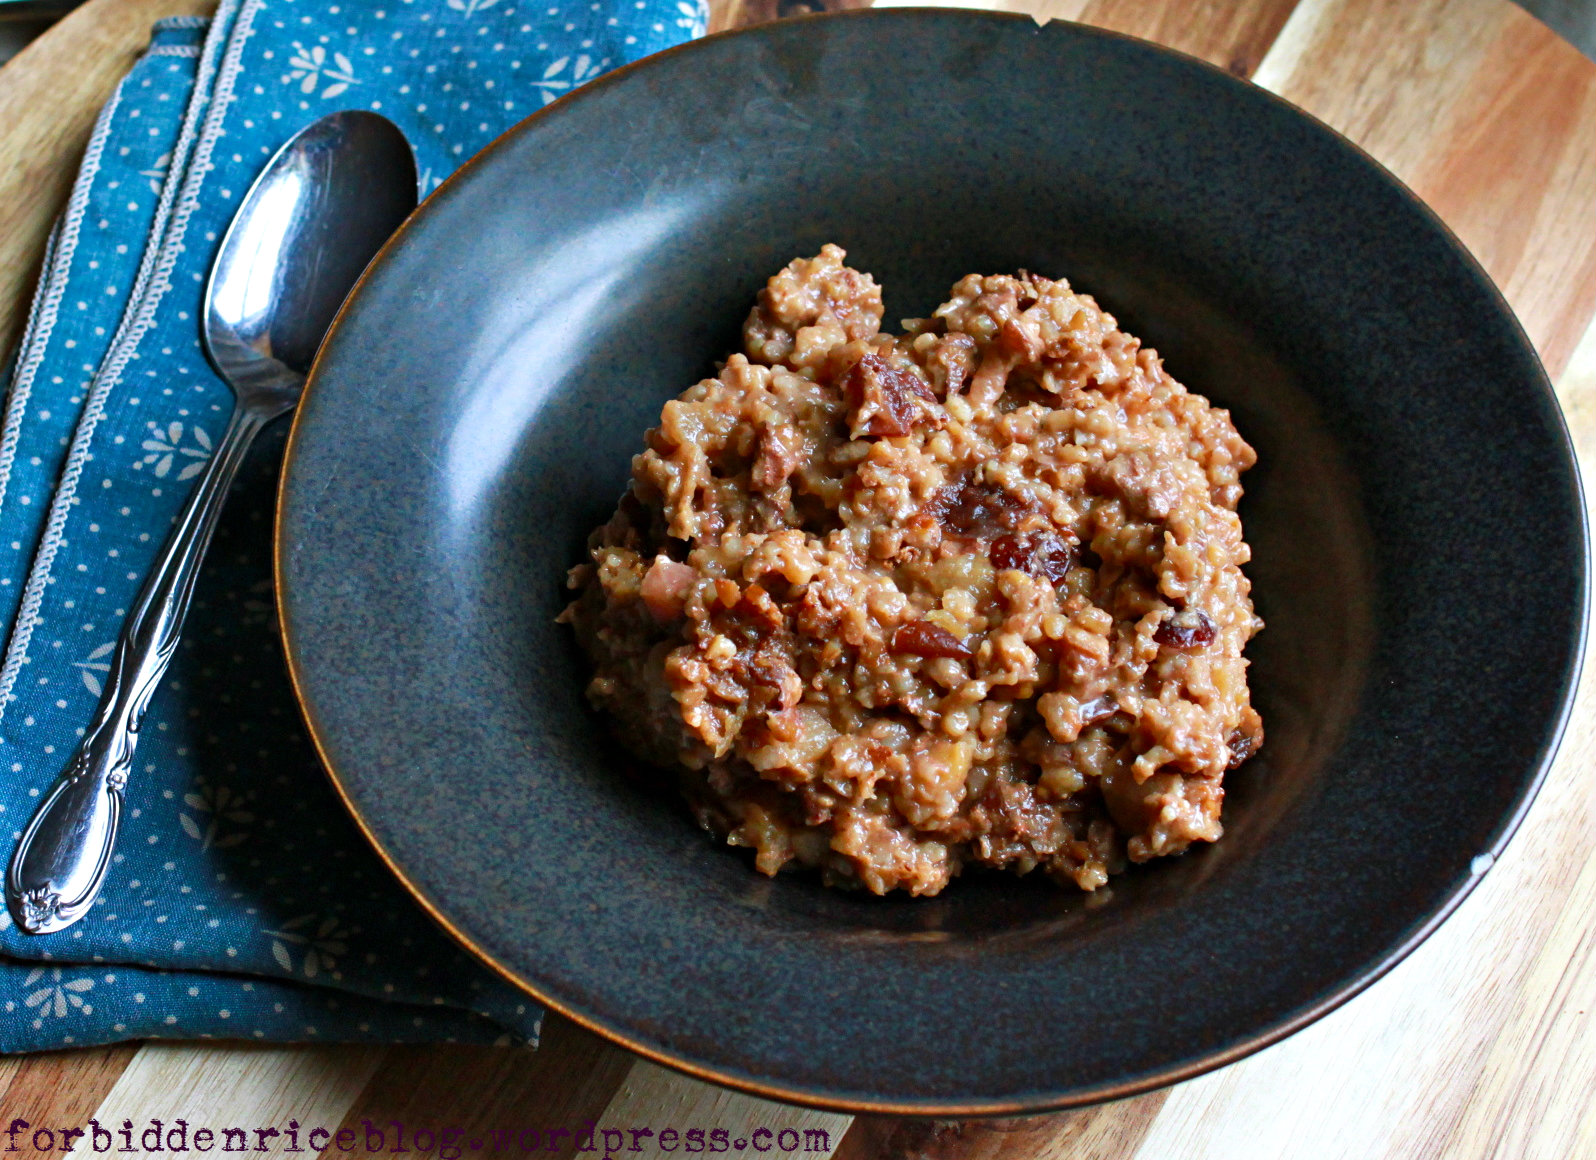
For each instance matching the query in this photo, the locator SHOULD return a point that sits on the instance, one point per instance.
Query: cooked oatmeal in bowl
(970, 595)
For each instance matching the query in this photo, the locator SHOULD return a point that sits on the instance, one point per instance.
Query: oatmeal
(894, 605)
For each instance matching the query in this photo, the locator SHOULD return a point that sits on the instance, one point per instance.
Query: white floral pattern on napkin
(243, 902)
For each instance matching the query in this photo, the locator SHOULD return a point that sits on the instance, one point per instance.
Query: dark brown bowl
(1416, 517)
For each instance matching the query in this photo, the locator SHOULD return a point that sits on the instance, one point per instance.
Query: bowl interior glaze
(473, 415)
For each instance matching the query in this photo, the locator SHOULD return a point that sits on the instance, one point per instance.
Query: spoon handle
(60, 863)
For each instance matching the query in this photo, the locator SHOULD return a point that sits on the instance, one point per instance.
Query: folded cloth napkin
(243, 902)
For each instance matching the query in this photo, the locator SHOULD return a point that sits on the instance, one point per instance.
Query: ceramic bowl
(1416, 520)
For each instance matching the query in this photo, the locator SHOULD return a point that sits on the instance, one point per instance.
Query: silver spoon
(307, 228)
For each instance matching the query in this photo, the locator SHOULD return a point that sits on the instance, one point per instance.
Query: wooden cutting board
(1479, 1044)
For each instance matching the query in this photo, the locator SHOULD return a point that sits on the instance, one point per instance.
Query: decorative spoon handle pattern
(63, 855)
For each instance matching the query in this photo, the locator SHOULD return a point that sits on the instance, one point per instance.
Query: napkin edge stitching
(13, 367)
(179, 198)
(62, 248)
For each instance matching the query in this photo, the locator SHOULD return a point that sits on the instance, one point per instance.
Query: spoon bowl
(310, 223)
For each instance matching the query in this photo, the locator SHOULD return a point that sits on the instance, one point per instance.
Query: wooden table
(1480, 1044)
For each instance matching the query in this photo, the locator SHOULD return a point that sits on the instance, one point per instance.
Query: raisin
(891, 400)
(1045, 555)
(1098, 709)
(953, 361)
(1010, 552)
(921, 638)
(1188, 628)
(1242, 746)
(977, 510)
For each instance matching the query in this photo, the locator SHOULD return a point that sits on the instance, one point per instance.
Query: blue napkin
(243, 902)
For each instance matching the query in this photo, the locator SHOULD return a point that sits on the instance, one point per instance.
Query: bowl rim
(1157, 1078)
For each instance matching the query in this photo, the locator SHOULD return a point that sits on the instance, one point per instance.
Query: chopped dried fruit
(1098, 709)
(921, 638)
(1188, 628)
(977, 510)
(1243, 745)
(887, 400)
(665, 588)
(781, 451)
(1045, 555)
(952, 360)
(767, 669)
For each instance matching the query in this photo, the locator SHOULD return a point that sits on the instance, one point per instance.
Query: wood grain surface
(50, 94)
(1479, 1045)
